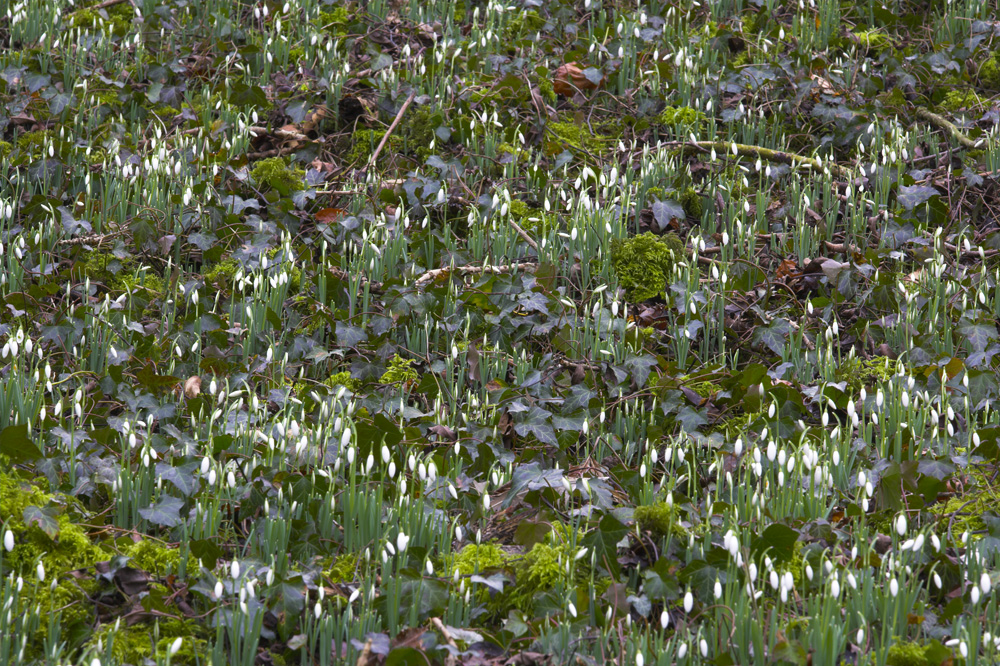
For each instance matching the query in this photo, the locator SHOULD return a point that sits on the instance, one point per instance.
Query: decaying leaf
(570, 79)
(192, 387)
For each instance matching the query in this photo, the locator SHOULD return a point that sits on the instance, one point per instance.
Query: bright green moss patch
(364, 142)
(344, 569)
(532, 220)
(691, 201)
(473, 559)
(867, 373)
(683, 117)
(907, 653)
(956, 100)
(575, 137)
(660, 519)
(275, 174)
(989, 73)
(68, 550)
(118, 275)
(157, 559)
(142, 643)
(644, 263)
(873, 40)
(399, 371)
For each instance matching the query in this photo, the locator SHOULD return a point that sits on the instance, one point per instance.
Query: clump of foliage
(907, 653)
(860, 373)
(399, 371)
(274, 173)
(644, 264)
(684, 118)
(660, 519)
(474, 558)
(575, 136)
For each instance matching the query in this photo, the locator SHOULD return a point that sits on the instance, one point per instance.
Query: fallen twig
(524, 234)
(388, 132)
(100, 5)
(948, 126)
(435, 273)
(722, 148)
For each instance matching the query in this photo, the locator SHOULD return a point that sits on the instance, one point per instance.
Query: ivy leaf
(603, 542)
(774, 335)
(165, 513)
(665, 212)
(183, 477)
(911, 196)
(978, 335)
(778, 540)
(15, 444)
(44, 518)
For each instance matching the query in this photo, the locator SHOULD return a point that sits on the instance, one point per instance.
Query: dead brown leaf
(192, 386)
(570, 79)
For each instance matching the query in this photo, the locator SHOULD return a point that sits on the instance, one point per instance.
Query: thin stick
(388, 132)
(525, 236)
(946, 125)
(101, 5)
(432, 275)
(722, 149)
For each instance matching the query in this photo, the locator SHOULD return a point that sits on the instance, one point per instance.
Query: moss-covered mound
(644, 263)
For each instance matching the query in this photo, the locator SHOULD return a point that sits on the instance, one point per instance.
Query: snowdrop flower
(8, 541)
(234, 569)
(901, 524)
(40, 570)
(688, 601)
(175, 647)
(985, 584)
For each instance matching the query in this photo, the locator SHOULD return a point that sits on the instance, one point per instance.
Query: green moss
(894, 97)
(548, 90)
(682, 117)
(275, 174)
(334, 22)
(33, 143)
(222, 273)
(157, 559)
(343, 379)
(989, 73)
(692, 202)
(543, 568)
(867, 373)
(956, 100)
(660, 519)
(364, 142)
(578, 138)
(873, 40)
(419, 131)
(399, 371)
(644, 264)
(907, 653)
(118, 275)
(344, 569)
(71, 549)
(532, 220)
(526, 23)
(5, 148)
(141, 643)
(473, 559)
(968, 509)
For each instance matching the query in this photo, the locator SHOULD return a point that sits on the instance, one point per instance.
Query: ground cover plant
(454, 332)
